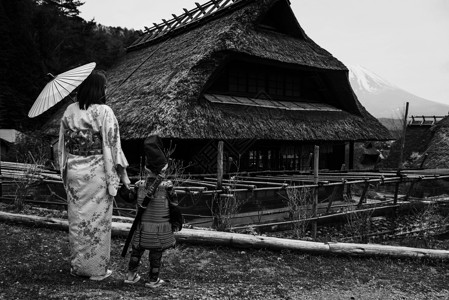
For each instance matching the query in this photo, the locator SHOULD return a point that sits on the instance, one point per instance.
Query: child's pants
(155, 257)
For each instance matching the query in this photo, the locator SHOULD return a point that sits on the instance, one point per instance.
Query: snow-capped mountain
(385, 100)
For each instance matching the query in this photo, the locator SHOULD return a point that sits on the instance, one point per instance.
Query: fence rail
(250, 183)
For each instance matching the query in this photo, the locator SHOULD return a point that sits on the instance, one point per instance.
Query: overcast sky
(404, 41)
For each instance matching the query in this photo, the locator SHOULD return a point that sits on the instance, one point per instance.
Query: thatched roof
(425, 147)
(436, 152)
(171, 74)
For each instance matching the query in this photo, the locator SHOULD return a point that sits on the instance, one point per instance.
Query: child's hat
(155, 158)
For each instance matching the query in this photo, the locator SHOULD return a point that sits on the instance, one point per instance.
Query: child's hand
(150, 191)
(128, 195)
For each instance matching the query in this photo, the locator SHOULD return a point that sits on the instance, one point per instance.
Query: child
(155, 232)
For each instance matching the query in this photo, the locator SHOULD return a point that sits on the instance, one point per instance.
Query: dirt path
(34, 265)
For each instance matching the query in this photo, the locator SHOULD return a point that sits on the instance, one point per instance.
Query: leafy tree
(67, 7)
(47, 36)
(19, 61)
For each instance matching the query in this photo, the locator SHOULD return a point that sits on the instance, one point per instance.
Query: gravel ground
(34, 265)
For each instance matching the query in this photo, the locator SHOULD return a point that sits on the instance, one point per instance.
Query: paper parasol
(59, 88)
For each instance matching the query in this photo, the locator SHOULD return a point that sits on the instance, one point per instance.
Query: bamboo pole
(279, 188)
(287, 224)
(397, 179)
(409, 190)
(363, 196)
(209, 237)
(233, 182)
(396, 192)
(404, 130)
(1, 177)
(316, 161)
(220, 165)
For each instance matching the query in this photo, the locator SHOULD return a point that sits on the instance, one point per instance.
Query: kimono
(89, 151)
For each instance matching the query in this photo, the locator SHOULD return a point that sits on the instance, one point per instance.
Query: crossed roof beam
(188, 17)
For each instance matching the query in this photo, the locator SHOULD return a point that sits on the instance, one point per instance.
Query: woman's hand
(123, 176)
(125, 180)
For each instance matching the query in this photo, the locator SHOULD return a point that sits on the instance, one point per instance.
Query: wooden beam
(213, 6)
(167, 24)
(200, 8)
(396, 192)
(209, 237)
(409, 191)
(158, 27)
(220, 165)
(404, 130)
(178, 22)
(316, 162)
(216, 3)
(363, 196)
(187, 13)
(286, 225)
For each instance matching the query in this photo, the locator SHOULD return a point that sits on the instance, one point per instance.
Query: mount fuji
(383, 99)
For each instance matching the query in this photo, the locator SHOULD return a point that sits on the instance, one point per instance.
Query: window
(261, 159)
(238, 81)
(256, 82)
(276, 84)
(292, 86)
(251, 80)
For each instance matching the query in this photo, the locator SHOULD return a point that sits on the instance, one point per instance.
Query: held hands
(123, 176)
(125, 180)
(150, 191)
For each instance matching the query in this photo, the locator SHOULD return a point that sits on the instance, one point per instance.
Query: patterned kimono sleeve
(62, 154)
(112, 150)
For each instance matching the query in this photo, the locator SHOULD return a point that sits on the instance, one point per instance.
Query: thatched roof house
(236, 70)
(437, 152)
(427, 147)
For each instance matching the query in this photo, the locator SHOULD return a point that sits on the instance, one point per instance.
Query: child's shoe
(155, 284)
(134, 280)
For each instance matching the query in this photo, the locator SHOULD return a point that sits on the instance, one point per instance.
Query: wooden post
(404, 129)
(396, 192)
(409, 190)
(349, 155)
(347, 165)
(363, 196)
(1, 180)
(220, 165)
(401, 157)
(316, 161)
(216, 197)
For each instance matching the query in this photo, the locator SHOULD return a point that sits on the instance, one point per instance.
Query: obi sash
(83, 142)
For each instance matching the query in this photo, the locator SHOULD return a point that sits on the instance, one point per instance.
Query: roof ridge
(189, 17)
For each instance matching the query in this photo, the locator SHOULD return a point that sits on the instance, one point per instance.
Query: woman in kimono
(92, 165)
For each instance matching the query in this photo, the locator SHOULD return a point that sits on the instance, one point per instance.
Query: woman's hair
(92, 90)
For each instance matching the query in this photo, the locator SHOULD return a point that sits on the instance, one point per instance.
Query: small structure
(370, 156)
(426, 144)
(243, 72)
(7, 138)
(434, 154)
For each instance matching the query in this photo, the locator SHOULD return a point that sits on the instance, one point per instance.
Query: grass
(34, 265)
